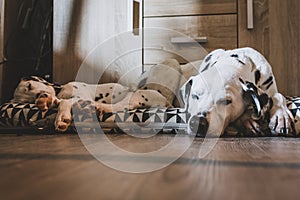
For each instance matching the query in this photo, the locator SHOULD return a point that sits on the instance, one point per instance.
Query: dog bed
(87, 120)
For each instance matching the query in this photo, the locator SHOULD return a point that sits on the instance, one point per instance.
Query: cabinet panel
(220, 31)
(276, 35)
(188, 7)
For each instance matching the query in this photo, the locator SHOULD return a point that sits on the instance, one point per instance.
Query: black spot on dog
(270, 79)
(208, 58)
(241, 80)
(145, 88)
(104, 102)
(234, 55)
(159, 91)
(98, 98)
(107, 94)
(111, 88)
(146, 99)
(206, 67)
(214, 63)
(270, 84)
(143, 96)
(114, 96)
(120, 93)
(74, 86)
(84, 85)
(257, 76)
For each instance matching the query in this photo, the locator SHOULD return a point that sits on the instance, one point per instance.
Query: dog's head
(219, 96)
(30, 88)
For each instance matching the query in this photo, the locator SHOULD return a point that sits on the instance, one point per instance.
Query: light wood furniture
(212, 23)
(60, 167)
(276, 34)
(1, 44)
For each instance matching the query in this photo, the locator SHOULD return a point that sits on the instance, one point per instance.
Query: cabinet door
(94, 40)
(276, 35)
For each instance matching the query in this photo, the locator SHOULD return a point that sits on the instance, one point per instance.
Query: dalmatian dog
(235, 87)
(105, 97)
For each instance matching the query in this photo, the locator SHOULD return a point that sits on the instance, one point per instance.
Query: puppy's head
(31, 88)
(214, 101)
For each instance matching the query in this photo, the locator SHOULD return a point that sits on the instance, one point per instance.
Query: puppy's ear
(185, 92)
(251, 97)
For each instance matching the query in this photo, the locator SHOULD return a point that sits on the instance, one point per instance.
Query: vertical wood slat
(285, 44)
(276, 35)
(1, 44)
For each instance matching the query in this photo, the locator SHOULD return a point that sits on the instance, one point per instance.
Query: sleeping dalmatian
(105, 97)
(235, 88)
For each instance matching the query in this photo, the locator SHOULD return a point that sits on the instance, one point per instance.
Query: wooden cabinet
(223, 23)
(276, 34)
(171, 28)
(187, 30)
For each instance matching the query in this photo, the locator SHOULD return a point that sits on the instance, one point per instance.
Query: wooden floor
(59, 167)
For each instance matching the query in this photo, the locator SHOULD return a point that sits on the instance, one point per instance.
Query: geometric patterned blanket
(85, 118)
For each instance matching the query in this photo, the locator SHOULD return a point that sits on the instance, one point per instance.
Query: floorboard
(60, 167)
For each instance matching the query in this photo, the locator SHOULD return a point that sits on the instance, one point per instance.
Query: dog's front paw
(281, 122)
(63, 121)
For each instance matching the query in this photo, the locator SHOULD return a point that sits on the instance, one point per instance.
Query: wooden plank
(276, 35)
(1, 44)
(220, 31)
(285, 45)
(188, 7)
(59, 167)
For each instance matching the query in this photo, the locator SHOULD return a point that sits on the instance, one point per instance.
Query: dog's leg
(282, 120)
(134, 100)
(64, 116)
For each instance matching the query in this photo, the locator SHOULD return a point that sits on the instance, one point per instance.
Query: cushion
(87, 120)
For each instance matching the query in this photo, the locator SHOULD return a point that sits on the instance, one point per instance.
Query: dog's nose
(199, 125)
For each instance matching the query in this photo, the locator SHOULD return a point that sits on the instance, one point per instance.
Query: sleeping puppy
(105, 97)
(235, 86)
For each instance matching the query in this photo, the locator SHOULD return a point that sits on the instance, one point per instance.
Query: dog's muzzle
(199, 125)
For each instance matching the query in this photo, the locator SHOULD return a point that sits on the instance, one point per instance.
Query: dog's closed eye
(195, 97)
(224, 102)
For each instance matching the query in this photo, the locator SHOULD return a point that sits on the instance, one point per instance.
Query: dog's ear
(251, 97)
(185, 92)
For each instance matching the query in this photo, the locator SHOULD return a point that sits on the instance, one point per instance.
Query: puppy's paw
(63, 121)
(281, 122)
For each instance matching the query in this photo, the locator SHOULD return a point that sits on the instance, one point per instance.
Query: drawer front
(188, 7)
(170, 37)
